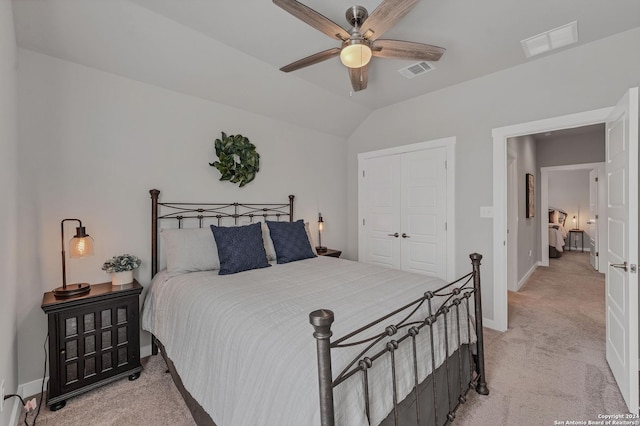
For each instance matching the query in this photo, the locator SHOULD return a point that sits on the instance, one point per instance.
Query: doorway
(592, 233)
(500, 136)
(622, 221)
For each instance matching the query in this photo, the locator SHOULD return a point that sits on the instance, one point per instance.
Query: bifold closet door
(423, 212)
(382, 211)
(404, 218)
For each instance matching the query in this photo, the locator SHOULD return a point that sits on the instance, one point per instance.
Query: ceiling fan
(362, 41)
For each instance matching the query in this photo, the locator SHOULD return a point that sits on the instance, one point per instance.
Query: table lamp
(320, 248)
(81, 245)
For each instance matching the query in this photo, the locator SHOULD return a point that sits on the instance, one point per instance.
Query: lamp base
(72, 290)
(321, 249)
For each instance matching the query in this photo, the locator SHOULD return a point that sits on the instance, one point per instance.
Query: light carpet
(549, 366)
(152, 399)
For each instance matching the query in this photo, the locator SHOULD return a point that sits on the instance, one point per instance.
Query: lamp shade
(81, 246)
(355, 55)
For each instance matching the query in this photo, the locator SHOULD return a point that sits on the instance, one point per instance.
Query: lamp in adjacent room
(320, 248)
(81, 245)
(575, 224)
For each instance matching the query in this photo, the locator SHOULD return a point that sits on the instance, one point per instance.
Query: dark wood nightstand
(331, 253)
(94, 339)
(579, 232)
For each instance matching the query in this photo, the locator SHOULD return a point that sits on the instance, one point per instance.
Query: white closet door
(424, 212)
(404, 198)
(382, 211)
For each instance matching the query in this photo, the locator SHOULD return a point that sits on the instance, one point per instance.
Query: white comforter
(243, 345)
(557, 234)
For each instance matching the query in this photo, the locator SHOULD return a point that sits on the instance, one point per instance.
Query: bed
(557, 232)
(255, 347)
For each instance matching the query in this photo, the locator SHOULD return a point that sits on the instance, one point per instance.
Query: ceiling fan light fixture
(355, 54)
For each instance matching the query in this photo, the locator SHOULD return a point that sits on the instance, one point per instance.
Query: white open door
(622, 246)
(593, 218)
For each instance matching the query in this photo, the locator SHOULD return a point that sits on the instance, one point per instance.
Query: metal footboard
(453, 301)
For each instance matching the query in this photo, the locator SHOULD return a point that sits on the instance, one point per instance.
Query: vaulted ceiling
(231, 51)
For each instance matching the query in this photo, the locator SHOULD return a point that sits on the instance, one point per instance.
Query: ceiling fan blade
(310, 60)
(359, 78)
(384, 17)
(313, 18)
(406, 50)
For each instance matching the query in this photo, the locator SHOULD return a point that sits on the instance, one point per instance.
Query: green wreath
(238, 161)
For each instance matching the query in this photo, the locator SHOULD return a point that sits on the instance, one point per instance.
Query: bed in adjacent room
(231, 313)
(557, 232)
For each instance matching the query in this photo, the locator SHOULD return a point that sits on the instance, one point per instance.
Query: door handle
(405, 235)
(394, 235)
(622, 266)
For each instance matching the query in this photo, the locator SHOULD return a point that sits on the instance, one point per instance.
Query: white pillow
(190, 250)
(268, 242)
(313, 246)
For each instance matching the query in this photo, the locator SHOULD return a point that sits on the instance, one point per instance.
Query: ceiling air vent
(551, 40)
(416, 69)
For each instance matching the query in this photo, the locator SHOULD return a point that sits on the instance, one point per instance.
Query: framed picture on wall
(530, 199)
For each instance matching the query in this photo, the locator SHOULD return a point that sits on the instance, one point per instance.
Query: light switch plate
(486, 211)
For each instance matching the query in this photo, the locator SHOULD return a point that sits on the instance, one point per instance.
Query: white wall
(9, 283)
(566, 82)
(569, 191)
(528, 228)
(92, 144)
(571, 149)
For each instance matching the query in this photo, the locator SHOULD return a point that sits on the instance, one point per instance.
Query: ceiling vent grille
(416, 69)
(551, 40)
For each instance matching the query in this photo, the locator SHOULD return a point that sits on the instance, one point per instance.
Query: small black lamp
(81, 245)
(320, 248)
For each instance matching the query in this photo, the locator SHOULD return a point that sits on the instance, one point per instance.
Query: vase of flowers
(121, 268)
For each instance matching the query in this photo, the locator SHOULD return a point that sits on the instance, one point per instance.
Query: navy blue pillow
(290, 241)
(240, 248)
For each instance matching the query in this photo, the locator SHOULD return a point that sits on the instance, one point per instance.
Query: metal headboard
(214, 211)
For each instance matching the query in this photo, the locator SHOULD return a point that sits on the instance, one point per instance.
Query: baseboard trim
(25, 390)
(16, 411)
(488, 323)
(527, 275)
(32, 388)
(145, 351)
